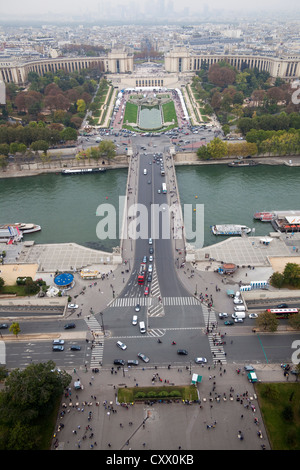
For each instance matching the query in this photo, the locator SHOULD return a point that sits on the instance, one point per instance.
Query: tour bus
(164, 188)
(283, 312)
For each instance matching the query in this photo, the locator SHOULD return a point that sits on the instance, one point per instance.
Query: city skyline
(123, 10)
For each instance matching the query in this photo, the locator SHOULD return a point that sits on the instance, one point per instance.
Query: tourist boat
(10, 235)
(238, 163)
(228, 229)
(23, 228)
(83, 171)
(264, 216)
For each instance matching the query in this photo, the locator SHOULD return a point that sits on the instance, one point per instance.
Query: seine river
(66, 207)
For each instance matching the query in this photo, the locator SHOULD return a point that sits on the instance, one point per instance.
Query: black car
(151, 250)
(119, 362)
(149, 277)
(282, 306)
(3, 326)
(68, 326)
(75, 347)
(182, 352)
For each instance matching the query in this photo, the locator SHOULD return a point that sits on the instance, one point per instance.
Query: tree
(2, 282)
(15, 328)
(217, 148)
(267, 321)
(80, 106)
(292, 275)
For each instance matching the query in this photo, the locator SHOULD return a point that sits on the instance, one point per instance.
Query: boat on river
(238, 163)
(228, 229)
(83, 171)
(264, 216)
(23, 228)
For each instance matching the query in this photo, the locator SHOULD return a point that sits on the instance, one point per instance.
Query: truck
(142, 273)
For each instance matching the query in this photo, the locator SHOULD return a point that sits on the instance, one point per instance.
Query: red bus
(283, 312)
(142, 274)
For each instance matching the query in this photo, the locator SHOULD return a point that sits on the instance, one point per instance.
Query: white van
(150, 241)
(142, 327)
(240, 308)
(239, 315)
(145, 171)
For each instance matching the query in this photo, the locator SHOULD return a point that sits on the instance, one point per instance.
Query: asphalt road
(184, 324)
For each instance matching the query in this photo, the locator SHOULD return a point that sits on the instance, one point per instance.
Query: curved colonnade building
(180, 61)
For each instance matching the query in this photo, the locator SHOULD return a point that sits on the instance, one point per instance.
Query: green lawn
(169, 112)
(131, 112)
(280, 407)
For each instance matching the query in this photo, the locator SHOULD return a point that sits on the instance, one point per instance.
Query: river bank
(122, 161)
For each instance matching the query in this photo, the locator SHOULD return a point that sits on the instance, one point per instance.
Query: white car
(237, 300)
(223, 315)
(72, 306)
(238, 320)
(121, 345)
(150, 268)
(134, 320)
(200, 360)
(253, 315)
(151, 258)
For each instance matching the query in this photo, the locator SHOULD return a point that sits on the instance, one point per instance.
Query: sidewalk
(93, 414)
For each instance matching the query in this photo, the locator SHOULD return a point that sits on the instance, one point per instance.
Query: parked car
(58, 341)
(72, 306)
(182, 352)
(119, 362)
(3, 326)
(57, 348)
(143, 357)
(68, 326)
(121, 345)
(200, 360)
(249, 368)
(132, 362)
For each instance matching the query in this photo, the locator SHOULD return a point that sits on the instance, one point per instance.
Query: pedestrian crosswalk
(214, 339)
(97, 344)
(150, 301)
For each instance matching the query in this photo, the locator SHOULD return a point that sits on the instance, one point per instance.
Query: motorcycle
(159, 341)
(173, 342)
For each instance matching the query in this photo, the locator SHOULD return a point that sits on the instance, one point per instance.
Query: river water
(65, 207)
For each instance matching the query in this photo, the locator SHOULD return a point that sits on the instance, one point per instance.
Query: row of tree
(268, 122)
(217, 149)
(14, 137)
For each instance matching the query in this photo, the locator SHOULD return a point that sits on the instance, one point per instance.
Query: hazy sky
(38, 7)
